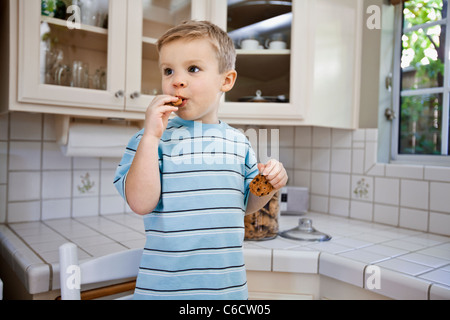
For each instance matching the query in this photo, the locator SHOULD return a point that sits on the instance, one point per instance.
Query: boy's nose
(179, 84)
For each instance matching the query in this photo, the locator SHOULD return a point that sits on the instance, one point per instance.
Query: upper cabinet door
(335, 45)
(147, 21)
(269, 58)
(72, 56)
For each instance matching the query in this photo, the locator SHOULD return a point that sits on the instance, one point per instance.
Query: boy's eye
(168, 72)
(193, 69)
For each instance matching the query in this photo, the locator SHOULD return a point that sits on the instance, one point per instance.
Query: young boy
(189, 176)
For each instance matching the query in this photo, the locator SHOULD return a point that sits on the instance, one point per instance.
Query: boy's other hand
(274, 172)
(158, 113)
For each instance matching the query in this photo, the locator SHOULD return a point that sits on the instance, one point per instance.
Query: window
(422, 75)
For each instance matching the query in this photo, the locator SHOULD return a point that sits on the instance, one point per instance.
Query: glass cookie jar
(263, 224)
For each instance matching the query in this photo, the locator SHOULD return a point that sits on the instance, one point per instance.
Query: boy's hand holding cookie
(272, 177)
(158, 113)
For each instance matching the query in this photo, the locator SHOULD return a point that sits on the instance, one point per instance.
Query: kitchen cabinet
(270, 78)
(106, 66)
(309, 75)
(315, 78)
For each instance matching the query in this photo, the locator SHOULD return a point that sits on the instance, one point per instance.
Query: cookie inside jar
(263, 224)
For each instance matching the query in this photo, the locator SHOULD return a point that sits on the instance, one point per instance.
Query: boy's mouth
(183, 101)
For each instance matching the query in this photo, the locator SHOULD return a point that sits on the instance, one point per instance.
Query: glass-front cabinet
(72, 53)
(261, 31)
(95, 54)
(269, 58)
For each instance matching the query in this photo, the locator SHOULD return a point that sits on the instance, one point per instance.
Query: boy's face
(190, 70)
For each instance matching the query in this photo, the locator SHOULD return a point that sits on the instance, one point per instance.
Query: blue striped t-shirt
(195, 234)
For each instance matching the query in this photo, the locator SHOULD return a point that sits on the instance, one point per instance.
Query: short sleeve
(125, 163)
(251, 170)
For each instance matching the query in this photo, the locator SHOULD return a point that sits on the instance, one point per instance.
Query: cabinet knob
(119, 94)
(135, 95)
(389, 114)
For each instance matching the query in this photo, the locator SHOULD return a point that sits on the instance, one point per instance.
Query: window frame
(441, 160)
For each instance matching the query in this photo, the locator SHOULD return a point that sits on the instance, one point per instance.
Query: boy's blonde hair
(221, 42)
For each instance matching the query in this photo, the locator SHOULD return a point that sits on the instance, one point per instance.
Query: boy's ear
(229, 80)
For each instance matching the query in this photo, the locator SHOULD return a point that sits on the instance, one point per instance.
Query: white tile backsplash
(106, 186)
(38, 182)
(24, 186)
(358, 135)
(320, 183)
(439, 194)
(303, 137)
(358, 161)
(414, 219)
(25, 126)
(361, 210)
(56, 184)
(321, 159)
(387, 191)
(302, 159)
(404, 171)
(286, 156)
(85, 207)
(341, 139)
(53, 158)
(414, 194)
(341, 160)
(340, 207)
(24, 155)
(3, 202)
(386, 214)
(86, 163)
(437, 174)
(56, 209)
(340, 185)
(439, 223)
(321, 137)
(4, 127)
(370, 156)
(49, 133)
(3, 162)
(24, 211)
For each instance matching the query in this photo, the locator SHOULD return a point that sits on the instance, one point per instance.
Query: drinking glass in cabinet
(80, 74)
(99, 79)
(93, 12)
(69, 54)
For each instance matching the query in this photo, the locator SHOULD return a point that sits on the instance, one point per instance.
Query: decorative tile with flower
(86, 184)
(362, 189)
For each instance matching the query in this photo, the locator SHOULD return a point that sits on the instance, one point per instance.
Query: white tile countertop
(413, 264)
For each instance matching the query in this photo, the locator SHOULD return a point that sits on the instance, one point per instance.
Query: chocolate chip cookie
(260, 186)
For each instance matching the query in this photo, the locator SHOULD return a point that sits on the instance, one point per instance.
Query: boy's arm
(143, 183)
(277, 176)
